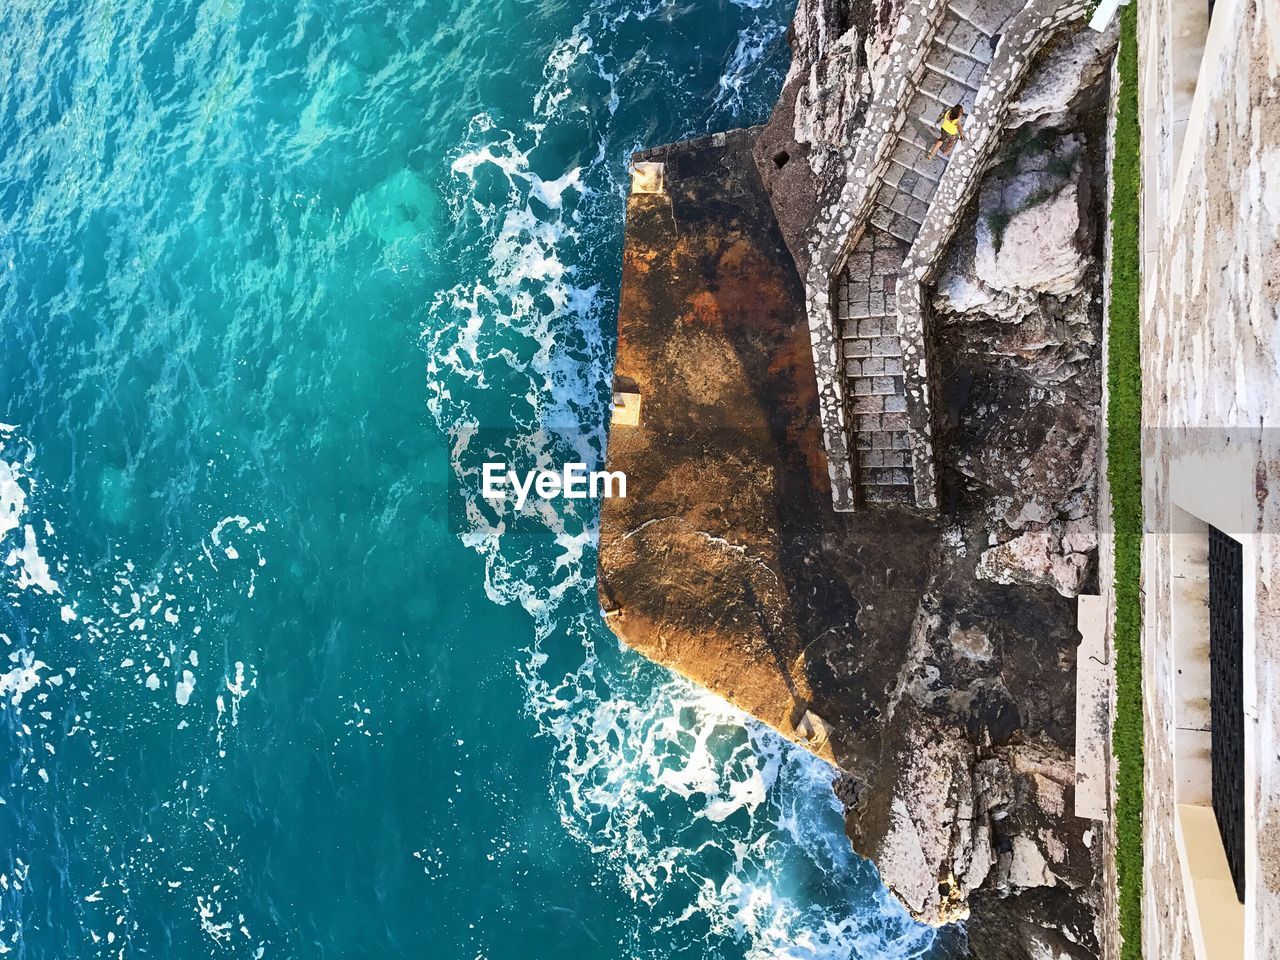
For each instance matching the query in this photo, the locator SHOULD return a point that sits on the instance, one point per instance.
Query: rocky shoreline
(930, 655)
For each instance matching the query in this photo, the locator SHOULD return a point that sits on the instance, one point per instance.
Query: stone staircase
(866, 308)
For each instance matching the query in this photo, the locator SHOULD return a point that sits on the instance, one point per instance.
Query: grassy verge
(1124, 473)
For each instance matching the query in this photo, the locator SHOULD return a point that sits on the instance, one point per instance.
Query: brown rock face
(946, 699)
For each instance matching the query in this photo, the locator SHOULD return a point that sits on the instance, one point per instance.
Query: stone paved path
(955, 64)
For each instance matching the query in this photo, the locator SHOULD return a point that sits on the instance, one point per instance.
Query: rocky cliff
(930, 656)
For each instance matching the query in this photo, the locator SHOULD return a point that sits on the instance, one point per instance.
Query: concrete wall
(1211, 384)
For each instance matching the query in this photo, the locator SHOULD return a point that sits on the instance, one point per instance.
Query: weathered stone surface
(1031, 449)
(1037, 556)
(1031, 238)
(800, 152)
(1009, 301)
(1068, 73)
(938, 680)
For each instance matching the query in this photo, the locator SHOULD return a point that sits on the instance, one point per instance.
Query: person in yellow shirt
(952, 131)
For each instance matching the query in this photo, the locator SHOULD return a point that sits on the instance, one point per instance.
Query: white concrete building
(1209, 101)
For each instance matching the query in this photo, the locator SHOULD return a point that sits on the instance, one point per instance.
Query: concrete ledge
(1093, 707)
(1215, 916)
(647, 176)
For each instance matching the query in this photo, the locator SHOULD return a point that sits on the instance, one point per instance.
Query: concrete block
(1093, 693)
(626, 409)
(648, 176)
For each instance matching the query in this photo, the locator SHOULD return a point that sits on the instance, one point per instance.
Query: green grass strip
(1124, 472)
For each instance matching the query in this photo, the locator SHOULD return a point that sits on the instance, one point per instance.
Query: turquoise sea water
(265, 269)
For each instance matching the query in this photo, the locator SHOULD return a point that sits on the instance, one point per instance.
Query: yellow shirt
(950, 127)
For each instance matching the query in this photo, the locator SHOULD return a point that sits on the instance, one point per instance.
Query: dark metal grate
(1226, 695)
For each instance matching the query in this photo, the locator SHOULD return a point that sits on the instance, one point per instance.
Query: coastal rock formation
(802, 154)
(1068, 77)
(930, 656)
(1031, 238)
(1030, 230)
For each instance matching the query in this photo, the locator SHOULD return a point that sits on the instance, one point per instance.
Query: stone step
(887, 347)
(907, 198)
(909, 136)
(907, 168)
(875, 493)
(884, 476)
(895, 224)
(878, 387)
(979, 15)
(869, 328)
(962, 37)
(934, 92)
(904, 228)
(936, 97)
(907, 154)
(883, 422)
(952, 76)
(969, 54)
(874, 367)
(885, 458)
(882, 440)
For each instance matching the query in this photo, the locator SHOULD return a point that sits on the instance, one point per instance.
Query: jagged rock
(1068, 72)
(1037, 556)
(959, 291)
(923, 856)
(1017, 285)
(800, 153)
(1031, 238)
(1033, 448)
(1080, 535)
(1029, 867)
(970, 642)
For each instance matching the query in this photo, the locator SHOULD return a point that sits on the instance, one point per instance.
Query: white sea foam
(32, 568)
(753, 43)
(123, 626)
(21, 678)
(696, 809)
(13, 497)
(15, 485)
